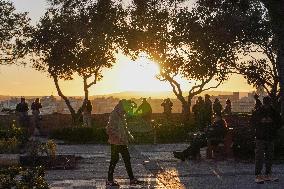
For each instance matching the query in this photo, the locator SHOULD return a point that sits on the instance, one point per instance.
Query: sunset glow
(125, 75)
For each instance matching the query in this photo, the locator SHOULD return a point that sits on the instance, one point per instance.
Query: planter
(59, 162)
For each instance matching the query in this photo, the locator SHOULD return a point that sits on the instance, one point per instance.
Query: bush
(171, 133)
(10, 145)
(12, 139)
(80, 135)
(18, 177)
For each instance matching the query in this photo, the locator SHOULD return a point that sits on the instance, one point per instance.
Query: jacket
(117, 127)
(265, 122)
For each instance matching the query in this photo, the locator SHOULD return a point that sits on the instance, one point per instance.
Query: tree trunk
(281, 73)
(71, 109)
(189, 101)
(279, 25)
(185, 109)
(276, 13)
(86, 91)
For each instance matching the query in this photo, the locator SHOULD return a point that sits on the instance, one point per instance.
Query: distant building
(106, 104)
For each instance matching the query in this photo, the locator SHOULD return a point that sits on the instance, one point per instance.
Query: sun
(139, 75)
(129, 75)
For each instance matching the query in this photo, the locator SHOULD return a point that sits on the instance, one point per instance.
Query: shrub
(12, 139)
(169, 132)
(18, 177)
(80, 135)
(10, 145)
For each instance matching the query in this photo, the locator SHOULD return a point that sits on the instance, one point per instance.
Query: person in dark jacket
(36, 106)
(208, 111)
(22, 111)
(199, 113)
(228, 108)
(265, 121)
(214, 135)
(217, 107)
(167, 105)
(145, 110)
(87, 113)
(258, 103)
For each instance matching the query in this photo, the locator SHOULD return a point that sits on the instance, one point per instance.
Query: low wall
(57, 121)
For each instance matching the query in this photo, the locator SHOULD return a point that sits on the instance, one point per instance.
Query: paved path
(158, 168)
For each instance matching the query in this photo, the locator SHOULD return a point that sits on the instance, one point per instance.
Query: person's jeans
(263, 155)
(115, 151)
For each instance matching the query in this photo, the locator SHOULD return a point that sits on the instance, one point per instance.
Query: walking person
(118, 138)
(36, 106)
(266, 121)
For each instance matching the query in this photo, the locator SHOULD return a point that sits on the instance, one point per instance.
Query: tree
(274, 14)
(253, 39)
(174, 38)
(77, 37)
(14, 32)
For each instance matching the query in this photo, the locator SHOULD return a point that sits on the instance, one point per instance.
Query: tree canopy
(14, 33)
(251, 33)
(78, 38)
(178, 39)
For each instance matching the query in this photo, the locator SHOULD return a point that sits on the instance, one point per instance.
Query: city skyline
(105, 104)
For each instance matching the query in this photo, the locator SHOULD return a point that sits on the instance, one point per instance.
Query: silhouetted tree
(78, 37)
(266, 23)
(174, 37)
(276, 14)
(14, 31)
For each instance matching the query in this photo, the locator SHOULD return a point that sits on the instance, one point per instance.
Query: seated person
(193, 151)
(214, 135)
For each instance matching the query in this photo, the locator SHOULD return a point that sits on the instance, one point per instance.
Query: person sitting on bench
(214, 135)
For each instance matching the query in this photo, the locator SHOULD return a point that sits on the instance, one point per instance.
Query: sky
(125, 75)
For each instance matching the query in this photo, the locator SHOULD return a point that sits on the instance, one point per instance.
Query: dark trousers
(263, 155)
(195, 145)
(115, 151)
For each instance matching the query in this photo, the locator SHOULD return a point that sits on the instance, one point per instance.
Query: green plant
(80, 135)
(10, 145)
(23, 178)
(51, 148)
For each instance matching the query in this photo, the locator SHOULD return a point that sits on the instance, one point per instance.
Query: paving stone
(156, 165)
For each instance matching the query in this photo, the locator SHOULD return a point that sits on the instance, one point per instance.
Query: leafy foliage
(14, 33)
(19, 177)
(12, 139)
(182, 41)
(80, 135)
(252, 36)
(78, 37)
